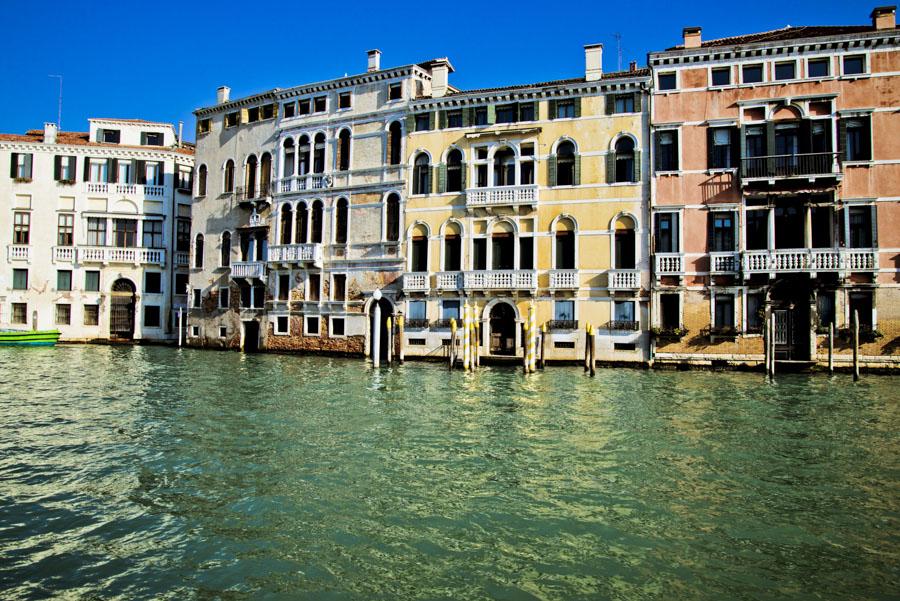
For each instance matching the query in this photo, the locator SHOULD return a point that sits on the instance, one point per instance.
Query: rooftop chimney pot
(884, 17)
(632, 66)
(440, 76)
(692, 38)
(50, 131)
(223, 93)
(593, 62)
(374, 60)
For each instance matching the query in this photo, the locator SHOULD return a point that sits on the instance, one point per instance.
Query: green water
(138, 473)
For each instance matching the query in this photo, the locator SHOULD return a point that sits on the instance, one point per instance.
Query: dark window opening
(752, 74)
(721, 76)
(666, 81)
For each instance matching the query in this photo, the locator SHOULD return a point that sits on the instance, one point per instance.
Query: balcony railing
(449, 280)
(415, 324)
(510, 279)
(296, 253)
(564, 279)
(562, 324)
(624, 279)
(790, 165)
(18, 252)
(416, 281)
(298, 183)
(723, 262)
(623, 325)
(182, 258)
(63, 254)
(245, 194)
(669, 264)
(129, 190)
(115, 254)
(498, 196)
(809, 260)
(248, 269)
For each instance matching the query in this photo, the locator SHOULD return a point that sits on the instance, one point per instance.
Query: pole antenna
(59, 109)
(618, 37)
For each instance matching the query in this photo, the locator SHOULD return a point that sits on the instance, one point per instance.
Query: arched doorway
(121, 310)
(503, 329)
(387, 310)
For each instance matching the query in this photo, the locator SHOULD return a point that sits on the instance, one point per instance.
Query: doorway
(503, 329)
(790, 312)
(251, 336)
(121, 310)
(387, 310)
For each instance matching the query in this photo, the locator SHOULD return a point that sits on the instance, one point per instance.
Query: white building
(95, 230)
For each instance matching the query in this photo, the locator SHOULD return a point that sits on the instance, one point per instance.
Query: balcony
(669, 264)
(310, 253)
(723, 263)
(63, 254)
(501, 196)
(624, 279)
(509, 279)
(253, 197)
(623, 325)
(115, 254)
(416, 281)
(562, 324)
(299, 183)
(182, 258)
(786, 166)
(133, 191)
(248, 270)
(18, 252)
(564, 279)
(448, 280)
(809, 260)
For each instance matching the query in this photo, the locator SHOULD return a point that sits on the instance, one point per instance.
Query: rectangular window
(195, 331)
(282, 324)
(423, 122)
(92, 281)
(151, 138)
(20, 313)
(284, 286)
(455, 119)
(666, 81)
(290, 109)
(21, 228)
(565, 109)
(819, 67)
(506, 113)
(267, 111)
(65, 168)
(623, 311)
(22, 166)
(724, 311)
(313, 286)
(64, 280)
(415, 311)
(153, 174)
(669, 311)
(721, 76)
(479, 254)
(312, 326)
(224, 297)
(854, 65)
(304, 106)
(153, 282)
(63, 314)
(232, 119)
(667, 150)
(98, 171)
(125, 233)
(860, 227)
(755, 311)
(667, 233)
(196, 298)
(757, 229)
(857, 139)
(344, 99)
(450, 310)
(624, 103)
(184, 179)
(110, 136)
(20, 279)
(319, 104)
(183, 236)
(786, 70)
(752, 73)
(91, 315)
(153, 234)
(526, 111)
(526, 252)
(96, 233)
(223, 331)
(204, 126)
(564, 310)
(337, 326)
(722, 232)
(825, 311)
(395, 91)
(861, 303)
(481, 115)
(721, 148)
(151, 316)
(253, 114)
(339, 289)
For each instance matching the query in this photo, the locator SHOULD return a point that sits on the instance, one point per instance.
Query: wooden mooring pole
(831, 348)
(771, 327)
(855, 346)
(400, 336)
(587, 347)
(543, 344)
(452, 349)
(593, 350)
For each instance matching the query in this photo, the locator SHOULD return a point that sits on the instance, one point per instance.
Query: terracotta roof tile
(785, 33)
(82, 138)
(558, 82)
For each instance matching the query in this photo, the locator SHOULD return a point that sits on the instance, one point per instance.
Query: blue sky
(161, 60)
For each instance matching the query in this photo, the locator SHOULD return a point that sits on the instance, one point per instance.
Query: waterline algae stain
(137, 473)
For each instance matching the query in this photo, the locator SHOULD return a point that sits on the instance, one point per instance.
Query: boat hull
(29, 337)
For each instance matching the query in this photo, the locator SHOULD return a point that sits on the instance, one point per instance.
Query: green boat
(28, 337)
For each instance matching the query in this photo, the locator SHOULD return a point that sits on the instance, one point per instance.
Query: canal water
(148, 472)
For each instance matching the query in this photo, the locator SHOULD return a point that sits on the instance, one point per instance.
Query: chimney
(223, 93)
(374, 60)
(440, 75)
(691, 37)
(50, 131)
(593, 62)
(632, 66)
(180, 132)
(884, 17)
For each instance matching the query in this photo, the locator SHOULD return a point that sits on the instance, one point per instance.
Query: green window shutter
(431, 121)
(742, 151)
(656, 152)
(551, 171)
(410, 124)
(491, 114)
(87, 169)
(442, 119)
(462, 174)
(610, 104)
(637, 102)
(577, 181)
(610, 167)
(13, 161)
(874, 221)
(551, 104)
(866, 147)
(710, 158)
(429, 185)
(537, 108)
(637, 165)
(28, 159)
(442, 178)
(842, 138)
(675, 146)
(113, 173)
(770, 146)
(57, 167)
(71, 168)
(577, 107)
(140, 172)
(468, 117)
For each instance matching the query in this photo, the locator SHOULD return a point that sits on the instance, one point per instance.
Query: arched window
(250, 176)
(316, 233)
(392, 217)
(265, 174)
(565, 244)
(303, 155)
(418, 249)
(229, 176)
(565, 164)
(201, 181)
(624, 160)
(287, 220)
(302, 223)
(505, 167)
(340, 221)
(624, 241)
(395, 141)
(455, 172)
(421, 175)
(319, 154)
(289, 157)
(343, 150)
(225, 258)
(198, 251)
(452, 247)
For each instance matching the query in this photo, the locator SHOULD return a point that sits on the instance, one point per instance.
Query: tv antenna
(618, 37)
(59, 110)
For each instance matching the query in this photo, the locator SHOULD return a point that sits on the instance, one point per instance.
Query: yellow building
(529, 194)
